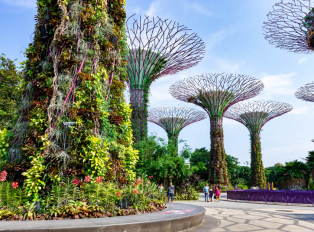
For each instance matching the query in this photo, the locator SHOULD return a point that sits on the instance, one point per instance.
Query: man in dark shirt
(171, 192)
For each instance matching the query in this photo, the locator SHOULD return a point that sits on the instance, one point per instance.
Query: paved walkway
(243, 216)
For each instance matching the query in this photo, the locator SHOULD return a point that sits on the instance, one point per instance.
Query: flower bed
(74, 199)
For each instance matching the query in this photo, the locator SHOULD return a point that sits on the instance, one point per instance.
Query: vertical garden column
(139, 102)
(173, 140)
(215, 93)
(254, 115)
(218, 171)
(156, 48)
(257, 167)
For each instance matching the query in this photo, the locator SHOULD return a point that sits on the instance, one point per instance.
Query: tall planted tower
(290, 26)
(73, 118)
(215, 93)
(306, 93)
(174, 119)
(254, 115)
(156, 48)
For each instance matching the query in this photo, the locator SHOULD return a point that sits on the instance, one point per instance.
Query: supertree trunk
(257, 168)
(173, 141)
(218, 172)
(254, 115)
(139, 103)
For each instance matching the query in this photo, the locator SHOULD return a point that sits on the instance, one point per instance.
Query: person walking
(211, 193)
(217, 193)
(161, 187)
(171, 192)
(205, 191)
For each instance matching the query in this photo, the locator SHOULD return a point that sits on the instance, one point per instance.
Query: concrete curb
(176, 217)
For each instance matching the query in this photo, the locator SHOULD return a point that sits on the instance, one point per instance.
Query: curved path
(176, 217)
(243, 216)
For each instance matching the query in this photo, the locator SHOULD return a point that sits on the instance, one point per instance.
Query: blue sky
(232, 31)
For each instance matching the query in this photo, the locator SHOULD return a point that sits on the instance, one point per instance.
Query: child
(211, 193)
(217, 190)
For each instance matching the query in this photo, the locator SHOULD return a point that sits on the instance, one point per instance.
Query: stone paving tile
(262, 223)
(249, 220)
(306, 224)
(224, 223)
(243, 227)
(295, 228)
(287, 221)
(218, 229)
(237, 220)
(247, 216)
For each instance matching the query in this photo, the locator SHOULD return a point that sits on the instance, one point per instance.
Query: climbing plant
(73, 97)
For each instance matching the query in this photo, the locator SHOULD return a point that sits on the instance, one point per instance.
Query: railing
(284, 196)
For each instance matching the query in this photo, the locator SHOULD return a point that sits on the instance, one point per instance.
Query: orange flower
(118, 194)
(148, 182)
(135, 191)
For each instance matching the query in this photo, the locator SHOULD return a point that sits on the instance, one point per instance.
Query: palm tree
(310, 162)
(293, 175)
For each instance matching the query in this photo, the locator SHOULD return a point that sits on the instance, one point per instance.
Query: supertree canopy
(254, 115)
(215, 93)
(306, 92)
(156, 48)
(174, 119)
(290, 26)
(73, 117)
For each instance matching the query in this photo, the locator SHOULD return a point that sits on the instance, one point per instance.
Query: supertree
(306, 93)
(73, 116)
(215, 93)
(290, 26)
(156, 48)
(254, 115)
(174, 119)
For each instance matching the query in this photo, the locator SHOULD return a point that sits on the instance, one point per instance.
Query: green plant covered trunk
(173, 143)
(218, 164)
(73, 120)
(139, 103)
(257, 169)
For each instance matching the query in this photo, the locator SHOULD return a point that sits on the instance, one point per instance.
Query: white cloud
(300, 110)
(303, 60)
(278, 85)
(227, 66)
(198, 8)
(216, 38)
(23, 3)
(151, 12)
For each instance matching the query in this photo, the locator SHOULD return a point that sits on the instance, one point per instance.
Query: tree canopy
(10, 91)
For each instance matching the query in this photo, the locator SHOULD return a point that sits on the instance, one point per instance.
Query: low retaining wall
(176, 217)
(288, 196)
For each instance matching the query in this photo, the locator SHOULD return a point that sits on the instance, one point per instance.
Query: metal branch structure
(174, 119)
(254, 115)
(215, 93)
(156, 48)
(306, 92)
(290, 26)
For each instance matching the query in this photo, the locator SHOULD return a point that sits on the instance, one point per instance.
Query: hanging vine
(75, 73)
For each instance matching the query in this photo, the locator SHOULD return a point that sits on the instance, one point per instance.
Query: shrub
(190, 194)
(242, 186)
(73, 199)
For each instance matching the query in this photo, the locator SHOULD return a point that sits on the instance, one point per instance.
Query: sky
(233, 35)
